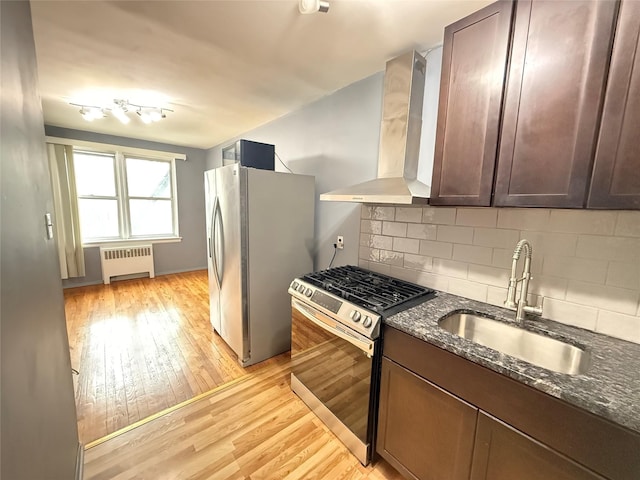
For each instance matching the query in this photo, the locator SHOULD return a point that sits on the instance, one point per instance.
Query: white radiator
(126, 260)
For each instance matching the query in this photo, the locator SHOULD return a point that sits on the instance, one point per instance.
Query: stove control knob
(294, 285)
(309, 292)
(301, 288)
(366, 322)
(355, 316)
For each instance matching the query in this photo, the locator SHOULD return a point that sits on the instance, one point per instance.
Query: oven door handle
(334, 327)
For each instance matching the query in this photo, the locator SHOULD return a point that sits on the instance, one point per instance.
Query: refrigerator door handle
(214, 250)
(219, 256)
(211, 227)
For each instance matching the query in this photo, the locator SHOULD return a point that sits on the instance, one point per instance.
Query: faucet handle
(533, 309)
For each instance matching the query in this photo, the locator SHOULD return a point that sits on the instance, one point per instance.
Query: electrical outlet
(340, 242)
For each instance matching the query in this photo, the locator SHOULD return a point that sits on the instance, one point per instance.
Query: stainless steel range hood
(399, 139)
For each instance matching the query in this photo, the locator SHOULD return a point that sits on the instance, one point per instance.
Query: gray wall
(39, 430)
(336, 139)
(190, 254)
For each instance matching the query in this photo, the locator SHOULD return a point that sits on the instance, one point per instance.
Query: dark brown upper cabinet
(558, 68)
(616, 174)
(472, 84)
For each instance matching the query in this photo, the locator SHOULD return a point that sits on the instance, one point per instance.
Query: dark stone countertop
(610, 388)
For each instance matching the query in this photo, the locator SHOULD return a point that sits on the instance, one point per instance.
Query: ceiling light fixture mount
(313, 6)
(121, 109)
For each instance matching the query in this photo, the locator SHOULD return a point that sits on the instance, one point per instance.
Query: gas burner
(367, 289)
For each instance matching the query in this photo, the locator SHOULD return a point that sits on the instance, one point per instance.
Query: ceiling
(223, 67)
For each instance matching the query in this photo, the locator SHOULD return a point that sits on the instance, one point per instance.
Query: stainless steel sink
(531, 347)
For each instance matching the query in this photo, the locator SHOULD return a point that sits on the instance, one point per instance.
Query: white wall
(586, 263)
(39, 431)
(336, 139)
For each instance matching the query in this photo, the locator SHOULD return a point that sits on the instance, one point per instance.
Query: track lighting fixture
(313, 6)
(90, 113)
(121, 109)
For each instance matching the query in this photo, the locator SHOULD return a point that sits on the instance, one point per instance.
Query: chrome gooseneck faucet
(521, 306)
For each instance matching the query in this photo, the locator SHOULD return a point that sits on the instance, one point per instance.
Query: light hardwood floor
(142, 346)
(253, 428)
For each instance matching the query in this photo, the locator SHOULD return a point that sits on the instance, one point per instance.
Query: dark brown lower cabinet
(423, 431)
(442, 417)
(503, 453)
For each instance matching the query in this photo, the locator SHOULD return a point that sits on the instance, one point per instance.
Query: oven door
(332, 372)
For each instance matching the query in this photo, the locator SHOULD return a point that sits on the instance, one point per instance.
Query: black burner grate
(367, 289)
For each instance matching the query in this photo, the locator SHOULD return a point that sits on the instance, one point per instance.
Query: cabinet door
(555, 90)
(616, 174)
(503, 453)
(423, 431)
(473, 75)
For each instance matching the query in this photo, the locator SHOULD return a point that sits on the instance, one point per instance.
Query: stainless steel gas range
(335, 346)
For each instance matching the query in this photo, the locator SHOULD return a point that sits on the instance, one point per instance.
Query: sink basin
(531, 347)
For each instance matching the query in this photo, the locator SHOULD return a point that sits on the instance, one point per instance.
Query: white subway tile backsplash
(439, 282)
(472, 254)
(374, 212)
(422, 231)
(418, 262)
(477, 217)
(371, 226)
(409, 245)
(570, 313)
(617, 325)
(624, 274)
(464, 288)
(502, 258)
(548, 243)
(499, 238)
(436, 249)
(372, 254)
(496, 295)
(380, 268)
(585, 265)
(544, 286)
(394, 229)
(628, 224)
(523, 218)
(450, 268)
(583, 221)
(622, 249)
(593, 271)
(455, 234)
(603, 296)
(439, 215)
(377, 241)
(409, 214)
(391, 258)
(497, 277)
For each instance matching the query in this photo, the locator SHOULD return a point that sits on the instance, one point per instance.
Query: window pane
(147, 178)
(151, 217)
(94, 174)
(98, 218)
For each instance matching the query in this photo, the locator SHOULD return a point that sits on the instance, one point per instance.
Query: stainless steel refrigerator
(259, 237)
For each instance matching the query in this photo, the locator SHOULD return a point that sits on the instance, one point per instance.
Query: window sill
(131, 241)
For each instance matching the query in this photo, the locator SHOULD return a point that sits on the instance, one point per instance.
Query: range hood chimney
(399, 139)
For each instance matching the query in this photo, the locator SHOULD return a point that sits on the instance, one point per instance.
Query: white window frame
(120, 155)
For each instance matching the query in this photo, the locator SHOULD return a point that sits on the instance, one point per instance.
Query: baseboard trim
(80, 462)
(158, 274)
